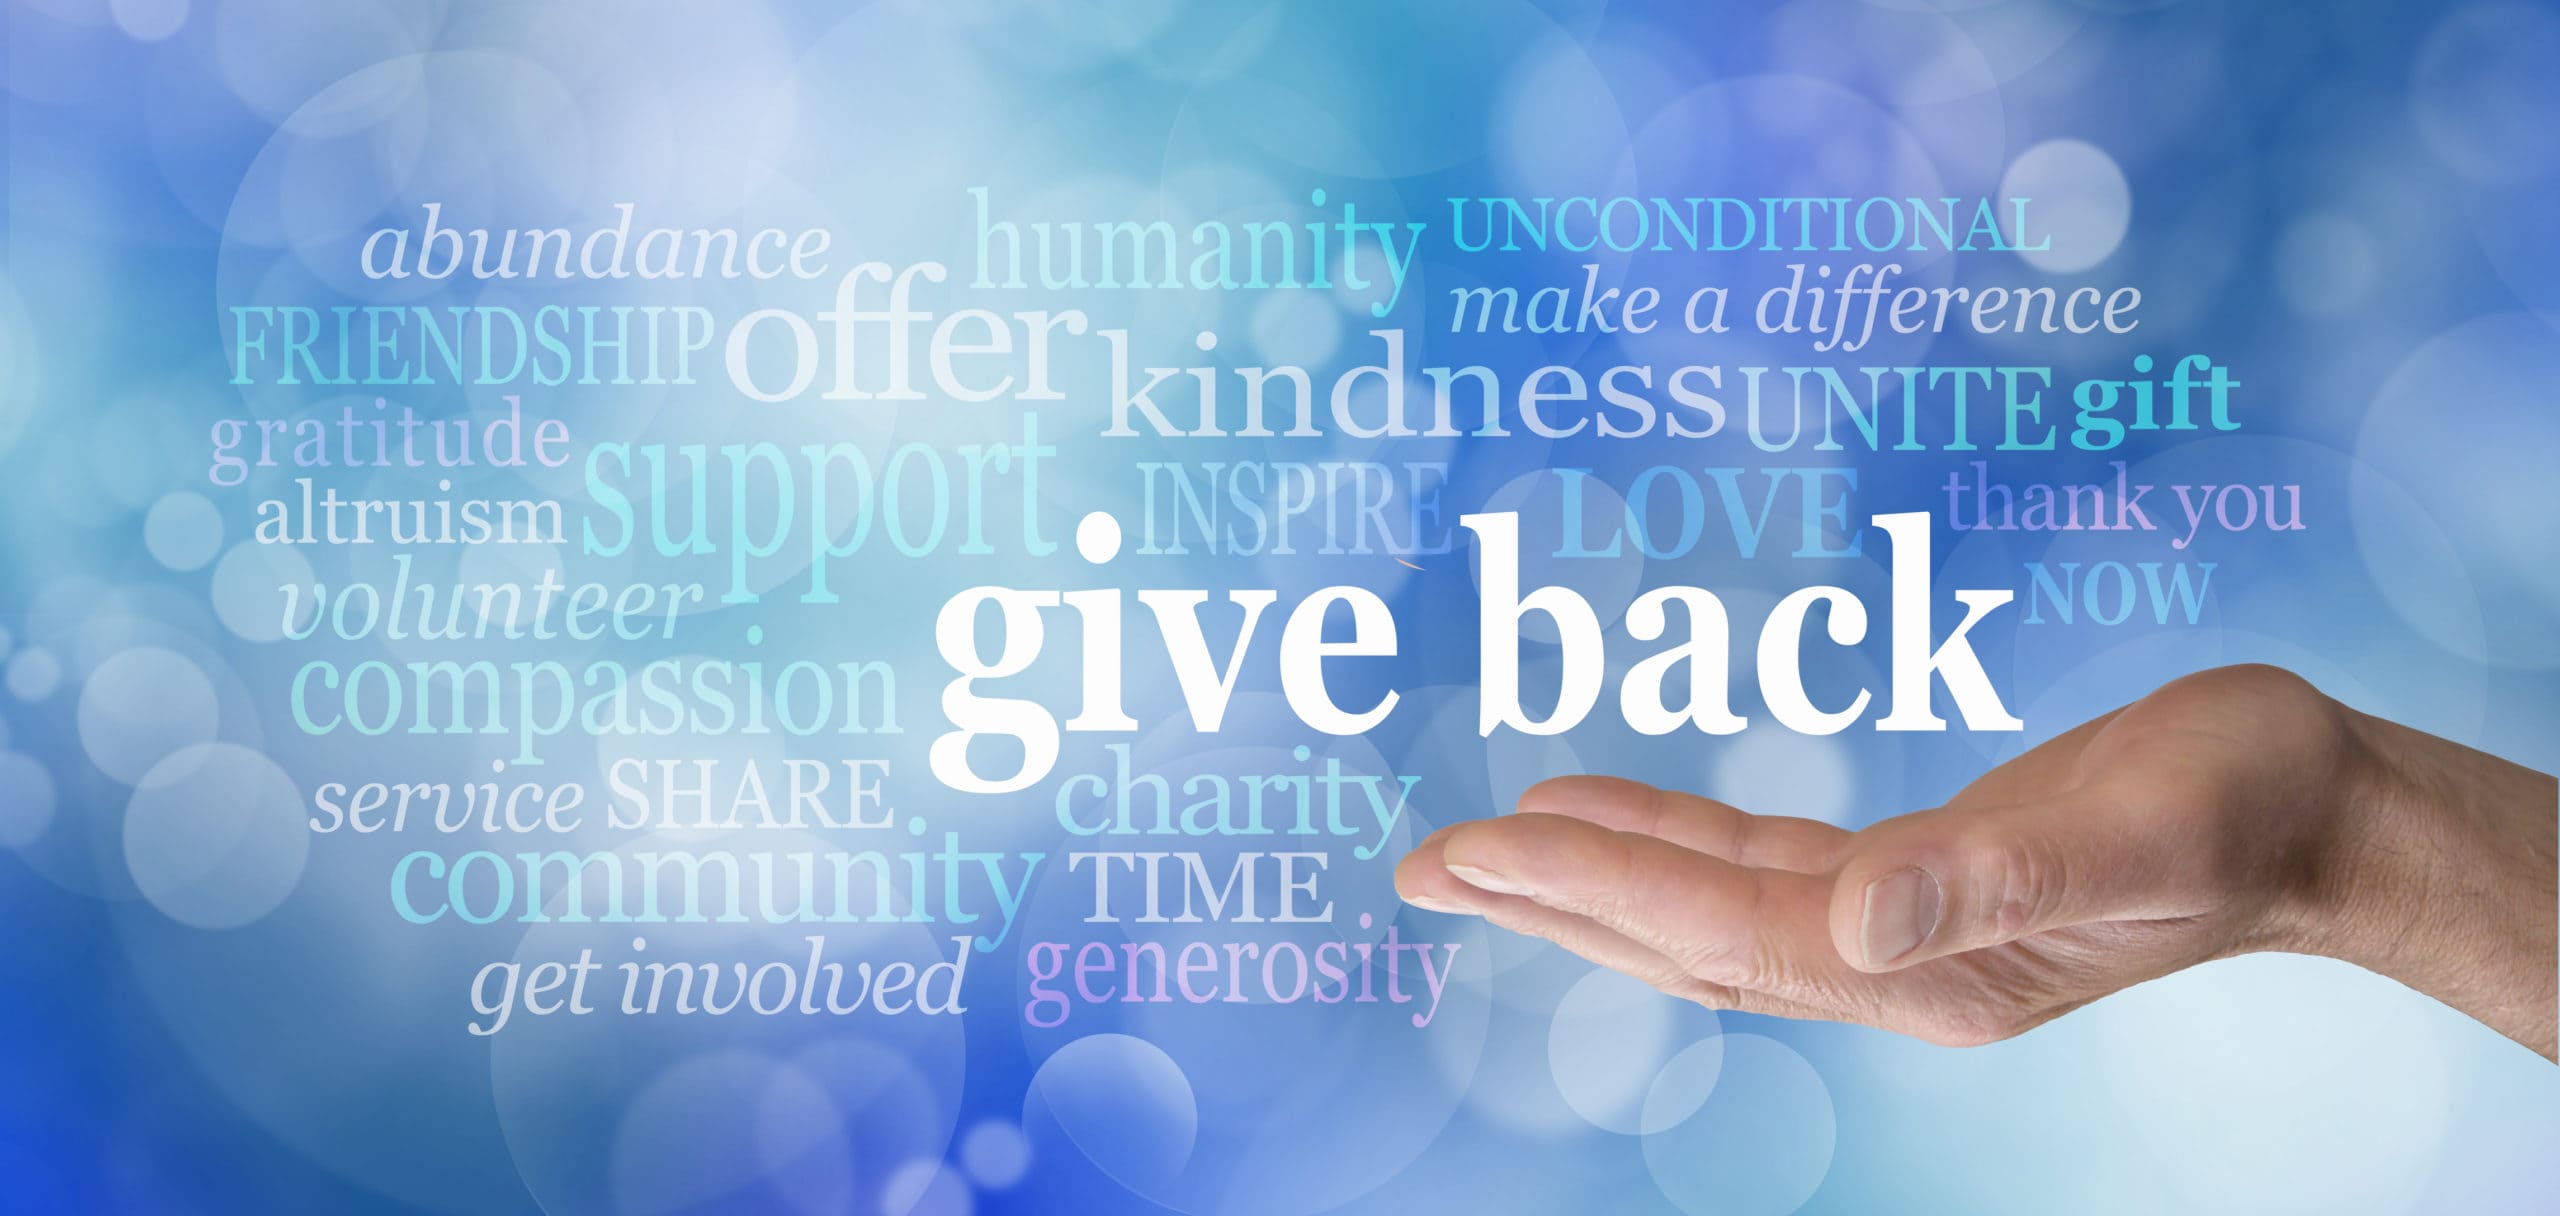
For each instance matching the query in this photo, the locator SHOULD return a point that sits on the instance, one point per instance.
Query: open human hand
(2231, 811)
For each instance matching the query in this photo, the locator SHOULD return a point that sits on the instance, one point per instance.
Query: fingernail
(1431, 903)
(1486, 880)
(1902, 910)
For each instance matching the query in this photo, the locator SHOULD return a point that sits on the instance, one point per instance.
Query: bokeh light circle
(215, 837)
(1759, 1145)
(1299, 329)
(142, 705)
(2475, 398)
(2483, 91)
(926, 1188)
(33, 674)
(1124, 1103)
(2196, 1060)
(2326, 264)
(27, 799)
(148, 20)
(2077, 197)
(1611, 1038)
(249, 591)
(995, 1154)
(731, 1129)
(1780, 772)
(183, 531)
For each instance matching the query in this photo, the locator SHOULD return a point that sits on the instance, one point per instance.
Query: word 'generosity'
(1691, 671)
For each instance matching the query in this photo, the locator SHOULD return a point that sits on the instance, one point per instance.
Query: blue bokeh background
(2349, 204)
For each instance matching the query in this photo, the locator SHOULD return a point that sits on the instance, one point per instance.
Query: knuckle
(1632, 885)
(1657, 812)
(1744, 958)
(2267, 681)
(1705, 960)
(1705, 994)
(1611, 907)
(1973, 1027)
(2247, 695)
(2023, 881)
(1723, 963)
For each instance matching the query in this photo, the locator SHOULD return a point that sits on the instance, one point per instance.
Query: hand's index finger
(1759, 929)
(1702, 825)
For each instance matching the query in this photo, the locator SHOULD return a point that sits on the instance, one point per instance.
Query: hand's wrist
(2442, 876)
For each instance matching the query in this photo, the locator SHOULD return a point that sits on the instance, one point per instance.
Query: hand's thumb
(1946, 881)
